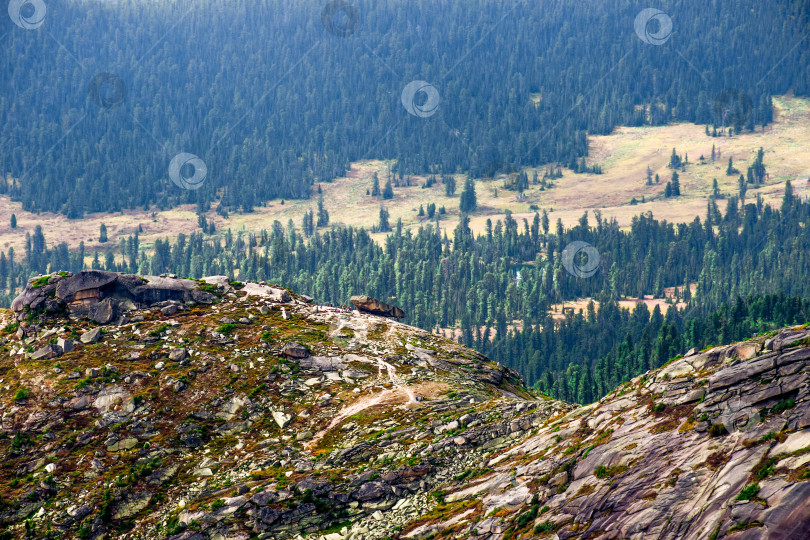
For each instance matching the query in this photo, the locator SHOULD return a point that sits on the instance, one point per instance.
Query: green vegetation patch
(748, 493)
(607, 472)
(10, 328)
(227, 329)
(40, 282)
(159, 330)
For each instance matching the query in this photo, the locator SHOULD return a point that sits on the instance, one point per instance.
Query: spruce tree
(388, 191)
(676, 184)
(674, 160)
(449, 186)
(323, 215)
(468, 202)
(13, 221)
(102, 233)
(383, 225)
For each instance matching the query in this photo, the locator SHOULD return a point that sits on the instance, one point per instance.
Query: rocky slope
(215, 409)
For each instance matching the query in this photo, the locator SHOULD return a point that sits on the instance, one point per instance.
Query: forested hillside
(97, 100)
(749, 265)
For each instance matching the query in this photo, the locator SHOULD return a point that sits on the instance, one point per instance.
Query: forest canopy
(97, 101)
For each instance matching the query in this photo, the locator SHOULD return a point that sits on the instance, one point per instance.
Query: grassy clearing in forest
(623, 156)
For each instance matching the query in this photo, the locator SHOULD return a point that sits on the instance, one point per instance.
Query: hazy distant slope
(272, 102)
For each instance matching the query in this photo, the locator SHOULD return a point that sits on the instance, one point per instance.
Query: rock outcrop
(263, 415)
(103, 296)
(371, 305)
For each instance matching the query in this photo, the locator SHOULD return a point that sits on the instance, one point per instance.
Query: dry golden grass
(581, 304)
(623, 155)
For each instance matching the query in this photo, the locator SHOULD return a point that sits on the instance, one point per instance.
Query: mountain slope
(215, 409)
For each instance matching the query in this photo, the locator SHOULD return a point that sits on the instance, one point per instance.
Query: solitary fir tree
(383, 226)
(449, 186)
(674, 160)
(388, 191)
(323, 215)
(468, 202)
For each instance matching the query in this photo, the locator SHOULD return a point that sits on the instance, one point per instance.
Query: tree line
(748, 267)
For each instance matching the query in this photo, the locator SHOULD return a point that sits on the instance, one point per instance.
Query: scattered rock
(66, 345)
(282, 419)
(124, 444)
(91, 336)
(48, 351)
(294, 350)
(178, 355)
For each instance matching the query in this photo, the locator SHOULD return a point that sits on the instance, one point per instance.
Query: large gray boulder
(292, 349)
(375, 307)
(103, 296)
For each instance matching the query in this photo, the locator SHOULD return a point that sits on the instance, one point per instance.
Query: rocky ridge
(217, 409)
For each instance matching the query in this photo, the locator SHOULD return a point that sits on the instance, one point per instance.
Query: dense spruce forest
(749, 265)
(273, 100)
